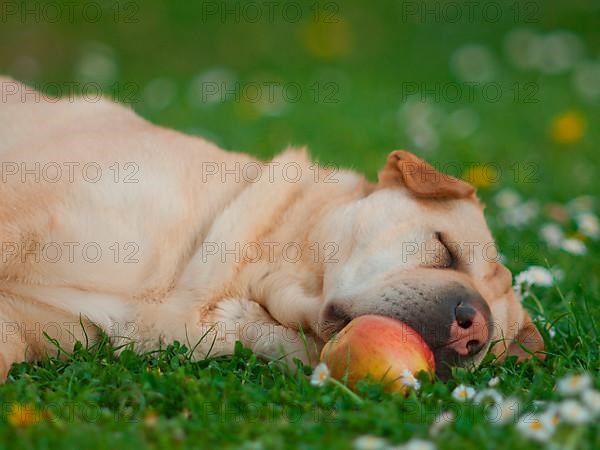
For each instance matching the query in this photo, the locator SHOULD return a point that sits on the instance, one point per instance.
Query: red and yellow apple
(379, 348)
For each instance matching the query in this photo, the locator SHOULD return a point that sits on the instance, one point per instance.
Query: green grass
(93, 399)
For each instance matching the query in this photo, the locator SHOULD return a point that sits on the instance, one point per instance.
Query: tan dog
(153, 236)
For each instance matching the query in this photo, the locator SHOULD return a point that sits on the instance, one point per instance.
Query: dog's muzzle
(456, 321)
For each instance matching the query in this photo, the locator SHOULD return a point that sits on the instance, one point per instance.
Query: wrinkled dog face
(428, 260)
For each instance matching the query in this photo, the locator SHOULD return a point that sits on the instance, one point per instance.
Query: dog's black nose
(470, 330)
(466, 331)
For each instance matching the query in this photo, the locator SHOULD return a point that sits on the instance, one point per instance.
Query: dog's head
(418, 249)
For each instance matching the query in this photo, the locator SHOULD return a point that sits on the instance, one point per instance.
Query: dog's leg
(246, 321)
(12, 346)
(30, 329)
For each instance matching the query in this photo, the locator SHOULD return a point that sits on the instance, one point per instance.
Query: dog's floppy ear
(421, 179)
(528, 342)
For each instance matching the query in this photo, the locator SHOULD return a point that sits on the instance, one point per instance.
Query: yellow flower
(328, 40)
(481, 176)
(22, 416)
(568, 127)
(150, 419)
(156, 370)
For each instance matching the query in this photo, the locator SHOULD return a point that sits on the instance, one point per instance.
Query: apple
(379, 348)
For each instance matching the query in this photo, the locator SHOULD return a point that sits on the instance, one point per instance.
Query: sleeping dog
(110, 224)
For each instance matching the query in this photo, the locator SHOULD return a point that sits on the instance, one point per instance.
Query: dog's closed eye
(445, 259)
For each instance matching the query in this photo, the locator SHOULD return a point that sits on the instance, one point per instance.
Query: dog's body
(155, 236)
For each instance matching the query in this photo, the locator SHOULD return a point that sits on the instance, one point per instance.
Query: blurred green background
(345, 78)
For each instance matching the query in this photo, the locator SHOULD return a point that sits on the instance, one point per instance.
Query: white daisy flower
(97, 65)
(535, 276)
(368, 442)
(462, 393)
(421, 119)
(588, 224)
(159, 93)
(552, 234)
(507, 198)
(423, 135)
(495, 381)
(462, 122)
(441, 422)
(198, 95)
(574, 246)
(574, 384)
(591, 398)
(521, 214)
(408, 379)
(418, 444)
(523, 47)
(473, 63)
(582, 203)
(320, 375)
(573, 412)
(535, 427)
(504, 412)
(586, 78)
(488, 394)
(551, 416)
(560, 50)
